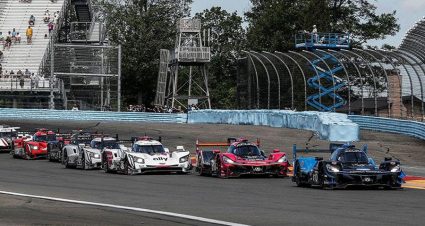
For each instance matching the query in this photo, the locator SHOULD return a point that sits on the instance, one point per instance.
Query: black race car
(347, 166)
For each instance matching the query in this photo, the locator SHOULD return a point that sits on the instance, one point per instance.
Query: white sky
(408, 13)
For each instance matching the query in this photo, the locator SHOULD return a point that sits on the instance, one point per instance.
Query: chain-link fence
(90, 75)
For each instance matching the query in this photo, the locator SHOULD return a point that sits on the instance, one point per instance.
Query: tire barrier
(9, 113)
(404, 127)
(329, 126)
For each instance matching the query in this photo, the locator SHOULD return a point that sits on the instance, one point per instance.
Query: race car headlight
(283, 159)
(396, 169)
(227, 160)
(139, 160)
(94, 155)
(34, 147)
(184, 159)
(332, 168)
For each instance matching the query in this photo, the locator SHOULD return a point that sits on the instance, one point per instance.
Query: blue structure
(314, 41)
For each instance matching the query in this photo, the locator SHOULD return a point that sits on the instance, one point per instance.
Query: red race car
(241, 158)
(34, 147)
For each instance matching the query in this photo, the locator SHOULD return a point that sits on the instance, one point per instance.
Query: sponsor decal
(160, 159)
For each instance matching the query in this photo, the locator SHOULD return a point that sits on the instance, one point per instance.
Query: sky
(408, 13)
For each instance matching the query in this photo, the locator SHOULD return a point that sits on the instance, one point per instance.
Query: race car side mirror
(276, 151)
(167, 150)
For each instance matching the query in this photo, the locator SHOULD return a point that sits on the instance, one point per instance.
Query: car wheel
(219, 167)
(105, 167)
(83, 162)
(127, 170)
(297, 176)
(66, 161)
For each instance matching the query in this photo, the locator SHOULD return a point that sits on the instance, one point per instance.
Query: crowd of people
(161, 109)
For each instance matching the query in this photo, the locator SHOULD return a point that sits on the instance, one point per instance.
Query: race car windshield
(111, 144)
(355, 157)
(149, 149)
(49, 137)
(248, 150)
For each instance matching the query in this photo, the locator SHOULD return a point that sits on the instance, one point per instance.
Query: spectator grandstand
(16, 14)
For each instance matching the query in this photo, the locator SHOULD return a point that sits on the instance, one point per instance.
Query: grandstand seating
(15, 14)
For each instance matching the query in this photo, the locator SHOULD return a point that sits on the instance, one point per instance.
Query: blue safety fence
(329, 126)
(404, 127)
(9, 113)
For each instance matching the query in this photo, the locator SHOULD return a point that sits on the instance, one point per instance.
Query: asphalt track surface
(252, 201)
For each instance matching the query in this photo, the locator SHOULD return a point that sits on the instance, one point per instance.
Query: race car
(7, 135)
(146, 155)
(88, 155)
(241, 158)
(34, 147)
(347, 166)
(77, 137)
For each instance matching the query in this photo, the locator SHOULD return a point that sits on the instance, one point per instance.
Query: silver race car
(88, 156)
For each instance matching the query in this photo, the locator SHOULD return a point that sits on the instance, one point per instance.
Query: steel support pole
(119, 79)
(52, 74)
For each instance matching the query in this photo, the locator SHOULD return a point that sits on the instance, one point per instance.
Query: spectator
(11, 73)
(1, 69)
(50, 26)
(46, 36)
(18, 38)
(29, 35)
(27, 73)
(1, 37)
(314, 33)
(46, 18)
(21, 82)
(13, 34)
(8, 42)
(36, 80)
(74, 108)
(31, 21)
(56, 17)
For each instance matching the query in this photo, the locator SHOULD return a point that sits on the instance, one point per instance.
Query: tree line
(143, 27)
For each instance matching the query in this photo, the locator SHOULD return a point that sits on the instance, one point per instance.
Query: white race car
(86, 156)
(147, 155)
(7, 135)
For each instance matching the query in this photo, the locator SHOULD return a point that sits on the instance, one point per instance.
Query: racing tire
(83, 162)
(297, 176)
(105, 166)
(49, 154)
(127, 168)
(219, 171)
(66, 162)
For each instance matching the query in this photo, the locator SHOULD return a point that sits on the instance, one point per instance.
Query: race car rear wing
(222, 144)
(332, 148)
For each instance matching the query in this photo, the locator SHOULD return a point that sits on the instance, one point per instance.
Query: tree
(273, 23)
(142, 27)
(227, 40)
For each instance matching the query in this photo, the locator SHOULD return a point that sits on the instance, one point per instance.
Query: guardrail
(329, 126)
(10, 113)
(404, 127)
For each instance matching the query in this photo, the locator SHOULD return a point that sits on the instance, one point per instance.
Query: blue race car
(347, 166)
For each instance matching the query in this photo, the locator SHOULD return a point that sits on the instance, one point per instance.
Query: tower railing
(322, 40)
(192, 54)
(189, 25)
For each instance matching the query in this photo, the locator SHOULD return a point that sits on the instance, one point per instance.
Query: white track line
(184, 216)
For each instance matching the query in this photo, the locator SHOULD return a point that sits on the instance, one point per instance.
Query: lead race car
(7, 136)
(146, 155)
(347, 166)
(241, 158)
(35, 146)
(87, 155)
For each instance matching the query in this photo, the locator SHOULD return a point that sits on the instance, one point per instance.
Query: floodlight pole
(119, 78)
(52, 67)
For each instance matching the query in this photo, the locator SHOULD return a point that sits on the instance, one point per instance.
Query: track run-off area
(98, 198)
